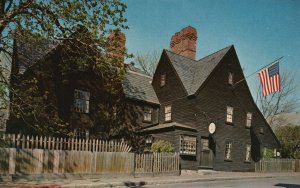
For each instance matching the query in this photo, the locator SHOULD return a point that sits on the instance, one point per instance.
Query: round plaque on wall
(212, 128)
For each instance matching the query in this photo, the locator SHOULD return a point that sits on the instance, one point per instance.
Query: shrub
(162, 146)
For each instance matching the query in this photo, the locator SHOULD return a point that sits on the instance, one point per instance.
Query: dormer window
(163, 80)
(230, 78)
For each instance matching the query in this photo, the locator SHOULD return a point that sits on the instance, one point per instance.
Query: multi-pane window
(168, 112)
(81, 133)
(249, 119)
(187, 145)
(228, 150)
(248, 152)
(81, 101)
(230, 78)
(147, 113)
(162, 79)
(229, 116)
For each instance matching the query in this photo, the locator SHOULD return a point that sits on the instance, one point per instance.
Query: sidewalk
(140, 181)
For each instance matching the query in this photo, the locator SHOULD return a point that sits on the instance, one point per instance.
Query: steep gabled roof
(138, 86)
(193, 73)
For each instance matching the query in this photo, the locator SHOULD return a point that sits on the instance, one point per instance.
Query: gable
(194, 73)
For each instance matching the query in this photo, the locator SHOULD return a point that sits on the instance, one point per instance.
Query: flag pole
(257, 71)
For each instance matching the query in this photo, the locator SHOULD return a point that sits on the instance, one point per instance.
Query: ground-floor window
(148, 143)
(228, 150)
(81, 133)
(248, 153)
(188, 145)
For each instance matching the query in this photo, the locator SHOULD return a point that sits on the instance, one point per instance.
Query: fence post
(12, 161)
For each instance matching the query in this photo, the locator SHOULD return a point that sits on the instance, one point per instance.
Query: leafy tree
(162, 146)
(79, 30)
(289, 137)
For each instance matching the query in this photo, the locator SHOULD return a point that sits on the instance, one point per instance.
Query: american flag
(270, 79)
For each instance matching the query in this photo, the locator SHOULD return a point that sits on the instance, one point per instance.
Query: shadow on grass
(287, 185)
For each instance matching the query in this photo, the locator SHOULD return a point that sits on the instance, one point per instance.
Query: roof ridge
(180, 55)
(215, 52)
(139, 74)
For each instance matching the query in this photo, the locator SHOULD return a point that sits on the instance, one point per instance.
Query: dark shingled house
(196, 105)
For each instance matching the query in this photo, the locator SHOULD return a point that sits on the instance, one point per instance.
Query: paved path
(150, 181)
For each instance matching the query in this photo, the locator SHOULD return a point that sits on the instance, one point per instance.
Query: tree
(289, 137)
(81, 27)
(281, 102)
(147, 62)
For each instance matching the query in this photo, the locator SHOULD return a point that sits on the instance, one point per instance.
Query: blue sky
(260, 30)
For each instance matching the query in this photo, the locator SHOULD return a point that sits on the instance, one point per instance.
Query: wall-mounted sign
(212, 128)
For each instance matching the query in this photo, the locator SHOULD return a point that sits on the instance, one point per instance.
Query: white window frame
(163, 79)
(229, 114)
(81, 101)
(168, 112)
(188, 145)
(249, 119)
(248, 153)
(228, 150)
(147, 114)
(230, 78)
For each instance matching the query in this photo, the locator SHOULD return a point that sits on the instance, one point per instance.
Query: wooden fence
(54, 143)
(157, 163)
(43, 161)
(277, 165)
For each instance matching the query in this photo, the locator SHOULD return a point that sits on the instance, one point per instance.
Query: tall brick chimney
(116, 41)
(184, 42)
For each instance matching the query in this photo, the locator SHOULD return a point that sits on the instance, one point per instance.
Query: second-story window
(248, 152)
(147, 113)
(81, 101)
(168, 112)
(163, 80)
(249, 119)
(229, 116)
(230, 78)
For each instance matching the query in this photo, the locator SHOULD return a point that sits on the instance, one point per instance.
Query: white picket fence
(55, 143)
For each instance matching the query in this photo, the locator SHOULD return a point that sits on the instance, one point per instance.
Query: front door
(206, 154)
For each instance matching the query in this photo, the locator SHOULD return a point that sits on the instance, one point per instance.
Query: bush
(162, 146)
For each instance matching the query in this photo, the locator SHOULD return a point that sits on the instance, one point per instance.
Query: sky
(260, 30)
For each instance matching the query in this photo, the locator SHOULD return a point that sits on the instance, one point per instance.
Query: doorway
(206, 154)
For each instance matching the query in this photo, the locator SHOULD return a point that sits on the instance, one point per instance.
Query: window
(230, 78)
(249, 119)
(228, 149)
(148, 143)
(168, 112)
(163, 80)
(81, 101)
(81, 133)
(205, 144)
(187, 145)
(275, 152)
(261, 130)
(147, 114)
(248, 152)
(229, 114)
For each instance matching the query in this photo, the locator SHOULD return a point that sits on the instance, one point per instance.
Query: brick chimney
(184, 42)
(116, 49)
